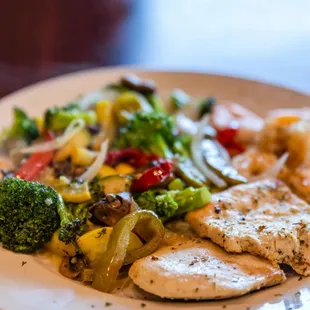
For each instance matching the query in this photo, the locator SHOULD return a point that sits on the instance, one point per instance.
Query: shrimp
(233, 115)
(299, 181)
(302, 113)
(286, 134)
(254, 162)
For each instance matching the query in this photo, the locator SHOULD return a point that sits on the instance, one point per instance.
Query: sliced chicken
(263, 218)
(199, 269)
(302, 113)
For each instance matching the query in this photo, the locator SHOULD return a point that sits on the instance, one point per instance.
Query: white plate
(34, 287)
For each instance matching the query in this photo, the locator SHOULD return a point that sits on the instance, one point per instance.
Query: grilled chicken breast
(263, 218)
(199, 269)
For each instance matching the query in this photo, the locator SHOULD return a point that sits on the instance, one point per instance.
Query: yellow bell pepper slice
(123, 168)
(106, 171)
(81, 139)
(104, 112)
(80, 156)
(63, 153)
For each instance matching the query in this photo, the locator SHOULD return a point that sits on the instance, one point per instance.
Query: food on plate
(242, 123)
(105, 182)
(263, 218)
(199, 269)
(299, 181)
(253, 162)
(303, 113)
(28, 214)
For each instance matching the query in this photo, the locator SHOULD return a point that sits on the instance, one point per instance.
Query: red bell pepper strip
(227, 137)
(234, 149)
(152, 176)
(36, 162)
(132, 156)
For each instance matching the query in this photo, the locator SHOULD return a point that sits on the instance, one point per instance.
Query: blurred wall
(43, 38)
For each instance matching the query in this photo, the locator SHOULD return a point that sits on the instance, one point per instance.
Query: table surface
(259, 39)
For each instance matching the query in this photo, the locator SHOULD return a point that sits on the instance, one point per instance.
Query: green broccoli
(59, 118)
(152, 132)
(169, 204)
(24, 128)
(73, 219)
(28, 214)
(96, 189)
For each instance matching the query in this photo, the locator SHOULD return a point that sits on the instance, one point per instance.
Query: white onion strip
(93, 170)
(223, 152)
(185, 124)
(198, 158)
(74, 127)
(274, 170)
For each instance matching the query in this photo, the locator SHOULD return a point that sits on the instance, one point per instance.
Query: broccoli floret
(96, 189)
(191, 199)
(73, 219)
(169, 204)
(152, 132)
(181, 145)
(28, 214)
(23, 128)
(163, 205)
(59, 118)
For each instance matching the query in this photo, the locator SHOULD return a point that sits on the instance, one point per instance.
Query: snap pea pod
(190, 174)
(216, 162)
(148, 226)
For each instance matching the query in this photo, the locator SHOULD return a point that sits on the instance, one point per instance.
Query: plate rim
(148, 69)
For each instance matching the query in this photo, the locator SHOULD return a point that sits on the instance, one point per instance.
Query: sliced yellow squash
(59, 248)
(106, 171)
(94, 243)
(123, 168)
(75, 192)
(81, 156)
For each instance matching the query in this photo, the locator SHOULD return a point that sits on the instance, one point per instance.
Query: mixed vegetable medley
(97, 180)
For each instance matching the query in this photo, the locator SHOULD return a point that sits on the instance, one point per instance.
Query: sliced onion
(93, 170)
(89, 99)
(198, 158)
(185, 124)
(73, 128)
(190, 127)
(273, 171)
(223, 152)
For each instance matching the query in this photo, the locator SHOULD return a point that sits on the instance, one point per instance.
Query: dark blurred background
(258, 39)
